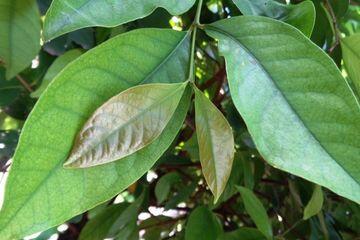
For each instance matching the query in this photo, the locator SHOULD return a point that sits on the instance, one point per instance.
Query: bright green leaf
(40, 193)
(243, 233)
(68, 15)
(304, 119)
(256, 210)
(19, 34)
(58, 65)
(202, 224)
(125, 124)
(315, 204)
(216, 143)
(301, 16)
(163, 186)
(351, 56)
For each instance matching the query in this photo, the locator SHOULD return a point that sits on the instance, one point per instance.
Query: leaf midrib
(288, 103)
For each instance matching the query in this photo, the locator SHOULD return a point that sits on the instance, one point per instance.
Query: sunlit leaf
(300, 111)
(68, 15)
(216, 143)
(351, 56)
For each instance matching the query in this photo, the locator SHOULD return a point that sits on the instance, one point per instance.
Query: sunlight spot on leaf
(35, 62)
(151, 176)
(144, 215)
(54, 236)
(62, 228)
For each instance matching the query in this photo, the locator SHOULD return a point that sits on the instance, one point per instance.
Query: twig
(329, 8)
(24, 83)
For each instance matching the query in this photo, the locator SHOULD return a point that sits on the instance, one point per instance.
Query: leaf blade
(295, 104)
(87, 13)
(351, 55)
(216, 143)
(315, 203)
(105, 136)
(20, 24)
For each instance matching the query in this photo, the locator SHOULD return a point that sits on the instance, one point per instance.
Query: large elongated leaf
(216, 143)
(19, 35)
(40, 193)
(125, 124)
(301, 16)
(351, 56)
(256, 210)
(68, 15)
(300, 111)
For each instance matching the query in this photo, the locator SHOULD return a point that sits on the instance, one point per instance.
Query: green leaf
(315, 204)
(351, 56)
(19, 35)
(202, 224)
(68, 15)
(163, 186)
(58, 65)
(125, 124)
(40, 193)
(301, 16)
(305, 119)
(216, 143)
(243, 233)
(99, 226)
(256, 210)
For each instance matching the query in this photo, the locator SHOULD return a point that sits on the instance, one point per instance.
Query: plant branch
(25, 84)
(330, 10)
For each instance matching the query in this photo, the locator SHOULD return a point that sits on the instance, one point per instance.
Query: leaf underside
(298, 108)
(125, 124)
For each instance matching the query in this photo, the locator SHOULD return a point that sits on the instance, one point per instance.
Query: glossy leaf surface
(35, 196)
(216, 143)
(125, 124)
(256, 210)
(68, 15)
(301, 16)
(351, 55)
(304, 119)
(19, 35)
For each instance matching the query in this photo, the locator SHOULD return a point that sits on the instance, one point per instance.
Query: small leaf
(68, 15)
(351, 55)
(301, 15)
(202, 224)
(9, 89)
(163, 186)
(315, 204)
(58, 65)
(19, 35)
(256, 210)
(304, 119)
(216, 143)
(125, 124)
(243, 233)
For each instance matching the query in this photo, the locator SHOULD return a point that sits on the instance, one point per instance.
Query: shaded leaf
(68, 15)
(58, 65)
(301, 16)
(202, 224)
(37, 181)
(257, 212)
(351, 56)
(242, 233)
(305, 119)
(163, 186)
(9, 89)
(125, 124)
(216, 143)
(315, 204)
(19, 35)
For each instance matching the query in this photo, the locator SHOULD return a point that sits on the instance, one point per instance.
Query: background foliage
(95, 56)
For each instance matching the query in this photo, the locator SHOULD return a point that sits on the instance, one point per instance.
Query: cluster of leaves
(168, 119)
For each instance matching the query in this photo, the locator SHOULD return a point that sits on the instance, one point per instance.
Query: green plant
(143, 131)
